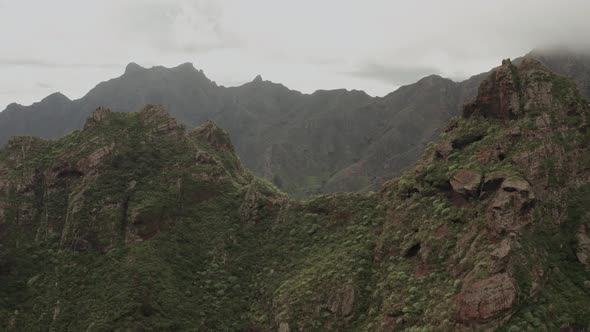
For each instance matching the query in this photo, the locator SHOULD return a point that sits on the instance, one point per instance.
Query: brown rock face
(250, 207)
(94, 159)
(497, 96)
(466, 182)
(511, 91)
(97, 117)
(215, 136)
(485, 299)
(157, 118)
(583, 246)
(508, 210)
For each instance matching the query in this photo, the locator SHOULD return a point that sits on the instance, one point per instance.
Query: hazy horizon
(306, 46)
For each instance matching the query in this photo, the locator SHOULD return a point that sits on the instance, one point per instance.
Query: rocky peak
(98, 116)
(186, 66)
(133, 67)
(498, 95)
(212, 134)
(157, 117)
(257, 79)
(513, 90)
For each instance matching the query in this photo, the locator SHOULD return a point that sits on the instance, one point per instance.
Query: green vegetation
(135, 224)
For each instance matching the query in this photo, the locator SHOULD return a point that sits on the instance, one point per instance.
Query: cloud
(394, 75)
(305, 44)
(43, 85)
(30, 62)
(180, 26)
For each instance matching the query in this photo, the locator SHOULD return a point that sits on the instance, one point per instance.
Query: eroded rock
(497, 96)
(91, 163)
(466, 182)
(213, 135)
(484, 300)
(100, 115)
(205, 158)
(508, 210)
(159, 120)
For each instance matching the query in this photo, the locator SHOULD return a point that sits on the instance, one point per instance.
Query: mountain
(328, 141)
(136, 223)
(572, 64)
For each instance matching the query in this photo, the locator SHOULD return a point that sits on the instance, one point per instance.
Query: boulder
(510, 207)
(466, 182)
(443, 150)
(486, 299)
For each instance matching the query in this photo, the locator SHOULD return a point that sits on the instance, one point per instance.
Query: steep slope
(135, 224)
(575, 65)
(324, 142)
(51, 117)
(397, 128)
(492, 217)
(111, 227)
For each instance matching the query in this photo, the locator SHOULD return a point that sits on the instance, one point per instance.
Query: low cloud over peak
(307, 45)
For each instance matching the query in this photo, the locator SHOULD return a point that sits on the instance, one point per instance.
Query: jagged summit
(368, 139)
(183, 67)
(211, 133)
(512, 91)
(257, 79)
(133, 67)
(98, 116)
(494, 173)
(186, 66)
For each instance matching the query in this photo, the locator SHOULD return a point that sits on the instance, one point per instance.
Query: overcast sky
(372, 45)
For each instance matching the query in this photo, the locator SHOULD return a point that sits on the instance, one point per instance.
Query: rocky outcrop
(466, 182)
(250, 207)
(485, 299)
(160, 121)
(214, 136)
(498, 95)
(92, 161)
(509, 209)
(257, 202)
(98, 116)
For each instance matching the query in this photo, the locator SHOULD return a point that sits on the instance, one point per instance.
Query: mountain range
(136, 223)
(327, 141)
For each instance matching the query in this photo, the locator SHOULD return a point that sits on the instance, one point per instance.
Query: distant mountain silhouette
(330, 140)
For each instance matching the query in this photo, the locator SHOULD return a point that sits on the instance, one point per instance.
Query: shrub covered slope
(136, 224)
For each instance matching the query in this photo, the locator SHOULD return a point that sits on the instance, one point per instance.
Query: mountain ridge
(136, 223)
(306, 143)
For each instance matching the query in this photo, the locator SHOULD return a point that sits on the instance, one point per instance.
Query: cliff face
(136, 224)
(117, 181)
(504, 186)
